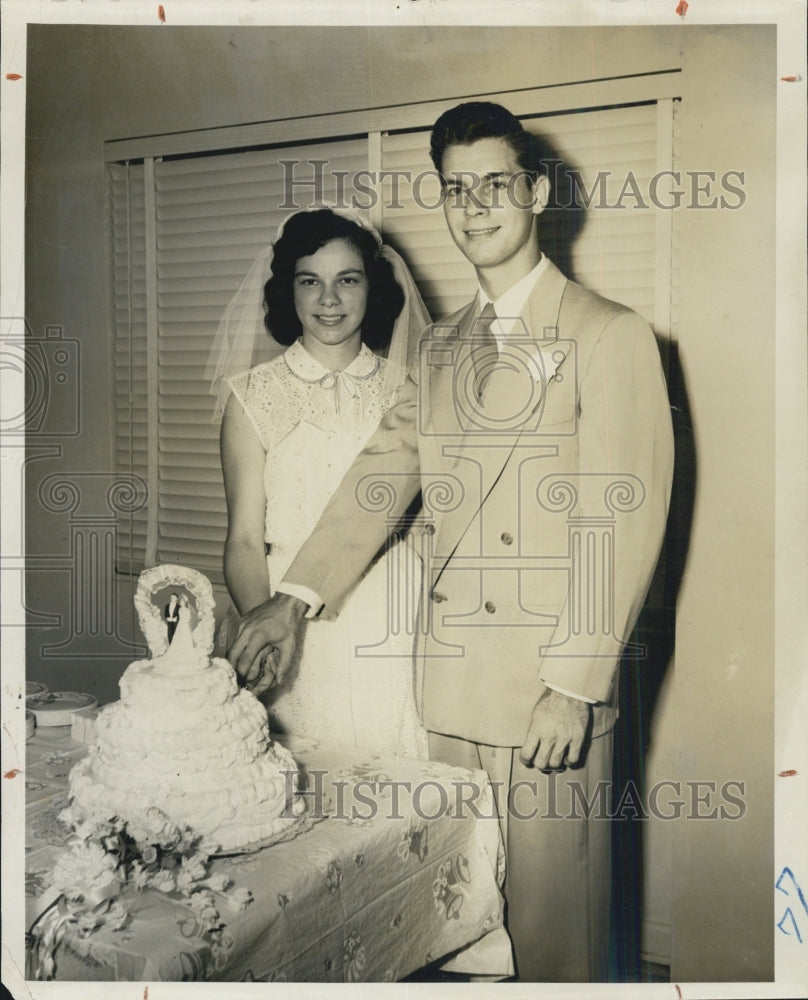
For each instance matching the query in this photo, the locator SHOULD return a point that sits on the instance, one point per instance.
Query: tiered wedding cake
(184, 739)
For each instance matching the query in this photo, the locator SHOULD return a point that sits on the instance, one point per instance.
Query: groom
(538, 428)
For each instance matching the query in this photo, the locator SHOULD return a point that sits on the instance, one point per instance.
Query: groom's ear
(541, 194)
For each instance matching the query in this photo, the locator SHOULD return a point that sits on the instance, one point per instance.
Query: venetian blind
(126, 237)
(211, 215)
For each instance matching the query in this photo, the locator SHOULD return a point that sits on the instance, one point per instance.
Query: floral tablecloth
(399, 868)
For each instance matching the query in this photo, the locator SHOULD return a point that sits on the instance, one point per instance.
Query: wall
(89, 84)
(724, 677)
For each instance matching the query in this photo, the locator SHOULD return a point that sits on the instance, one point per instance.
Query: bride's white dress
(312, 423)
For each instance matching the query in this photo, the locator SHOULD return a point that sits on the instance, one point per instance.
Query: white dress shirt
(510, 304)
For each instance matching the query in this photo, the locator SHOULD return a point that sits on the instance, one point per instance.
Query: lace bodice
(312, 423)
(353, 685)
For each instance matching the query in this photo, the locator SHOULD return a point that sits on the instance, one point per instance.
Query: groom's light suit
(545, 511)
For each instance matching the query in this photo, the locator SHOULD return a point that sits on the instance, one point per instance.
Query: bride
(333, 295)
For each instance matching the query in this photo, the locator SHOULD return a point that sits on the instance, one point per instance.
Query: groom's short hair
(473, 120)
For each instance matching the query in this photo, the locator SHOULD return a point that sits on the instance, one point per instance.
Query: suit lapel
(533, 337)
(444, 385)
(544, 305)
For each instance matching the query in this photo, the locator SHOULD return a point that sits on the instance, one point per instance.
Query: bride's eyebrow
(314, 274)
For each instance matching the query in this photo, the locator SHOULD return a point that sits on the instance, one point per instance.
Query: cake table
(399, 873)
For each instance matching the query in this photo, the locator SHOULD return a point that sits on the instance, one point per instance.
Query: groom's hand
(266, 641)
(556, 732)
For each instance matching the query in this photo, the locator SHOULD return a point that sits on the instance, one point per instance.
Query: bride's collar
(307, 367)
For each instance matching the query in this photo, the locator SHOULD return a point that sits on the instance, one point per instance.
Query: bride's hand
(266, 641)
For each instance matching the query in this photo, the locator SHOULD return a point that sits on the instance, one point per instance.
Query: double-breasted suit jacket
(544, 503)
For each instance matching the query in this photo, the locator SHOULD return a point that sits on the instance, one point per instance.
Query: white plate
(33, 689)
(55, 708)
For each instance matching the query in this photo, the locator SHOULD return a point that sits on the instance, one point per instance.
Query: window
(188, 214)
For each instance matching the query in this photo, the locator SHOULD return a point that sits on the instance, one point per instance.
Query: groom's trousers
(557, 833)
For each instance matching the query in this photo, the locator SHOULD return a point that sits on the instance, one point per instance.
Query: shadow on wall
(641, 682)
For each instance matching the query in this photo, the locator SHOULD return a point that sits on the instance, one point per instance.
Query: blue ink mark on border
(789, 915)
(788, 872)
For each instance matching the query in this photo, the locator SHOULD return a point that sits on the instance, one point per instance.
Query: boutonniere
(540, 363)
(545, 361)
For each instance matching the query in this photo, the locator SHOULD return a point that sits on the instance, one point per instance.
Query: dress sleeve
(265, 403)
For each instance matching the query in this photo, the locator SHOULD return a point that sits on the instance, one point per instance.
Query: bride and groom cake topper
(176, 610)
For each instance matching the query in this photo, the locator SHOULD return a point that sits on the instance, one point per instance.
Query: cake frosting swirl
(184, 738)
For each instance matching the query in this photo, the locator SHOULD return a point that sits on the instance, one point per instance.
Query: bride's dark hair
(303, 235)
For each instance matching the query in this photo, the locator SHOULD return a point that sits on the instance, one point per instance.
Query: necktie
(484, 350)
